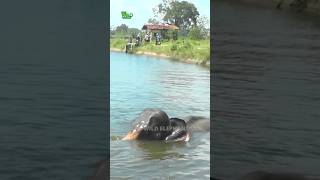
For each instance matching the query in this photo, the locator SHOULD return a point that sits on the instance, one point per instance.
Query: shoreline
(162, 55)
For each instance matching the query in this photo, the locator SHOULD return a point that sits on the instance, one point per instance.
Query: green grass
(118, 43)
(197, 51)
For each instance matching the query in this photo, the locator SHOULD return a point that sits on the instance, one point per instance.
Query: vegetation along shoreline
(176, 31)
(169, 52)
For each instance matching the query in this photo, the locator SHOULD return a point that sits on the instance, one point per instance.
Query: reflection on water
(158, 150)
(266, 91)
(139, 82)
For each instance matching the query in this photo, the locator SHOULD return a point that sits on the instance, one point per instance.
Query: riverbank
(185, 50)
(142, 53)
(306, 6)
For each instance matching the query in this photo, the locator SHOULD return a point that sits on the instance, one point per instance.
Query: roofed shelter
(160, 27)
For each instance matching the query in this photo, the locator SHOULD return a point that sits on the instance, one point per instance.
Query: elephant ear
(177, 135)
(179, 131)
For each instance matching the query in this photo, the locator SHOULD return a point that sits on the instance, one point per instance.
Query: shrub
(195, 33)
(169, 34)
(174, 34)
(187, 45)
(174, 47)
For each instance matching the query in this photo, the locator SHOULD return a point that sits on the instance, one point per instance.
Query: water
(139, 82)
(266, 91)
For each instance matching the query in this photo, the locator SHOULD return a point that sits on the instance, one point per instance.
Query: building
(160, 27)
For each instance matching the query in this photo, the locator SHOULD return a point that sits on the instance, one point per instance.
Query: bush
(170, 34)
(195, 33)
(174, 47)
(174, 34)
(118, 43)
(187, 45)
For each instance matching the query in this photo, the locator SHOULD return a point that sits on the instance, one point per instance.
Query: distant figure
(147, 37)
(129, 45)
(138, 40)
(158, 39)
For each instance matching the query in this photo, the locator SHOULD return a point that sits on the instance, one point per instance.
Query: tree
(204, 26)
(133, 31)
(195, 33)
(200, 31)
(122, 28)
(183, 14)
(153, 21)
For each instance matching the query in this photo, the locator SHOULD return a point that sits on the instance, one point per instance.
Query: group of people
(148, 37)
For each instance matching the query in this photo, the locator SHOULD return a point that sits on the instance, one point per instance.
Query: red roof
(159, 26)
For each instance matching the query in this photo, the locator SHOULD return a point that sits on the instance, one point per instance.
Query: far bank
(184, 50)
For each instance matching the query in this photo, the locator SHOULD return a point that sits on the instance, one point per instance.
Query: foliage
(183, 14)
(200, 31)
(153, 21)
(173, 34)
(134, 31)
(118, 43)
(122, 28)
(197, 51)
(123, 31)
(170, 34)
(195, 33)
(174, 47)
(203, 25)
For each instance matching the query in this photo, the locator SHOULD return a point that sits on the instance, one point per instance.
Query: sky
(142, 11)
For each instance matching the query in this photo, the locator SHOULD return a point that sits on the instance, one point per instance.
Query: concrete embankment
(307, 6)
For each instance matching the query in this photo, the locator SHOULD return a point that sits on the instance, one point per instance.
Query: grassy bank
(187, 50)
